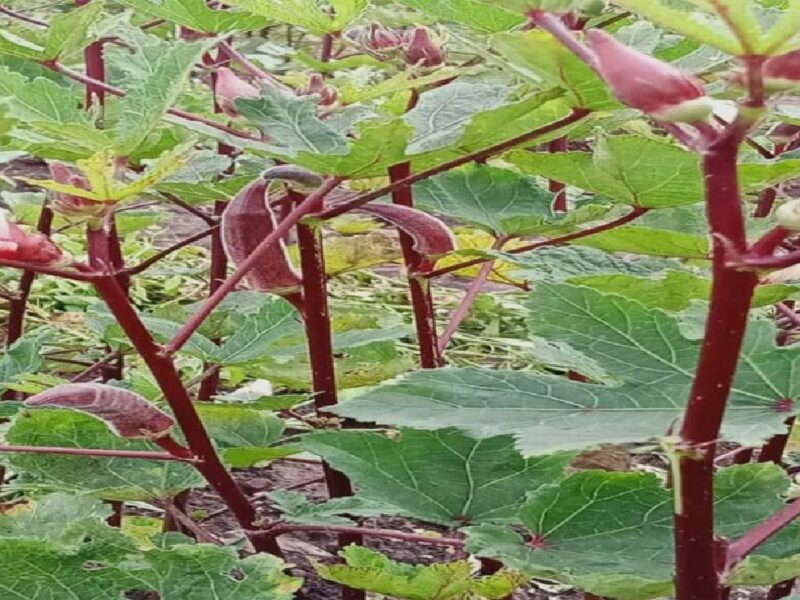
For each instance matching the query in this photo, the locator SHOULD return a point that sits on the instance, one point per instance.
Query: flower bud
(422, 50)
(782, 73)
(316, 85)
(378, 37)
(229, 87)
(789, 215)
(70, 204)
(648, 84)
(35, 248)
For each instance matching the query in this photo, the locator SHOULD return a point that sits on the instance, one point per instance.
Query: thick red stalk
(430, 356)
(319, 334)
(631, 216)
(18, 305)
(558, 188)
(345, 206)
(166, 375)
(696, 551)
(231, 282)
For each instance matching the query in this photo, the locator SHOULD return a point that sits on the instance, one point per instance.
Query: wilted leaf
(126, 414)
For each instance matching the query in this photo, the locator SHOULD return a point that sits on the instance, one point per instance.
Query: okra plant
(514, 281)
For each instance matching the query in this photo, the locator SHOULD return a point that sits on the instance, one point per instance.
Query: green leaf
(643, 348)
(69, 31)
(439, 476)
(295, 508)
(649, 241)
(155, 76)
(639, 171)
(538, 56)
(260, 334)
(372, 571)
(308, 14)
(441, 115)
(477, 15)
(61, 547)
(783, 30)
(247, 431)
(495, 200)
(17, 46)
(701, 27)
(291, 123)
(611, 534)
(675, 290)
(108, 478)
(196, 15)
(23, 357)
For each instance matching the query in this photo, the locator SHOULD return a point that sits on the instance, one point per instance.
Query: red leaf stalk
(319, 333)
(697, 577)
(419, 289)
(166, 375)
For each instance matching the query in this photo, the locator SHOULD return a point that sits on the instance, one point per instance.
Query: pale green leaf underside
(108, 478)
(642, 347)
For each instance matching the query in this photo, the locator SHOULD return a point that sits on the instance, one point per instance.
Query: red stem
(430, 356)
(147, 263)
(82, 275)
(576, 115)
(200, 214)
(697, 577)
(740, 549)
(465, 306)
(231, 282)
(631, 216)
(319, 333)
(217, 272)
(20, 17)
(140, 454)
(558, 188)
(18, 305)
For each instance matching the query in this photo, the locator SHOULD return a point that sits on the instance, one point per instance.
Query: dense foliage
(513, 280)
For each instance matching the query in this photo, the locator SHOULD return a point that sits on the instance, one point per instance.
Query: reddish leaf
(247, 220)
(229, 88)
(126, 414)
(69, 204)
(431, 236)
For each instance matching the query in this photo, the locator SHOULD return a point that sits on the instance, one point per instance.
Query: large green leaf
(109, 478)
(475, 14)
(154, 77)
(440, 476)
(372, 571)
(693, 24)
(69, 31)
(262, 333)
(23, 357)
(243, 434)
(537, 55)
(291, 123)
(643, 348)
(639, 171)
(442, 114)
(496, 200)
(196, 15)
(309, 14)
(61, 547)
(612, 535)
